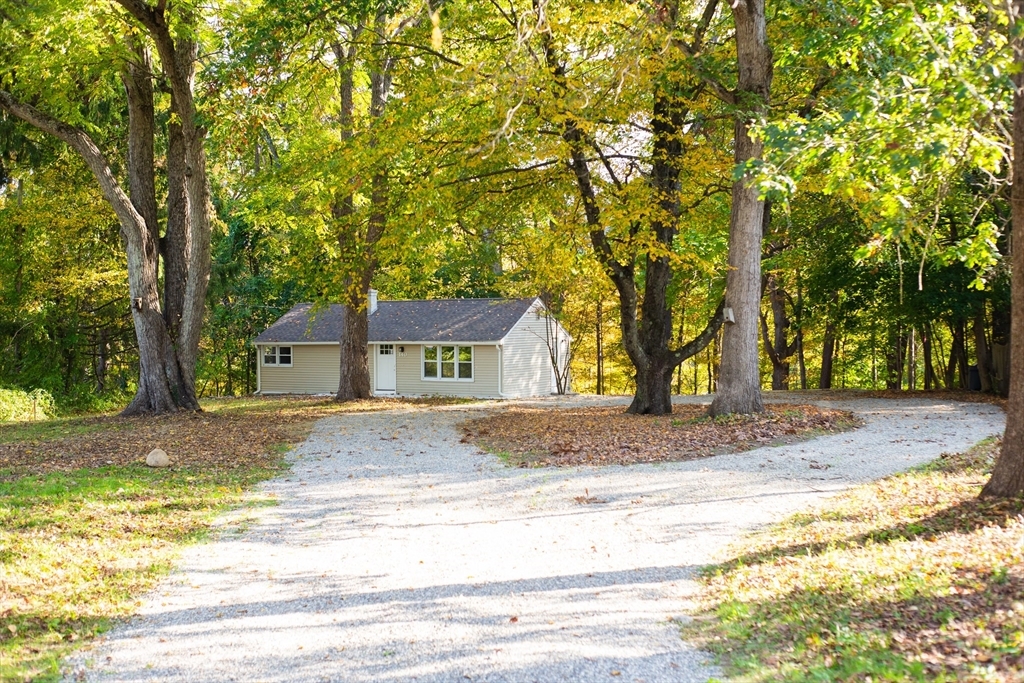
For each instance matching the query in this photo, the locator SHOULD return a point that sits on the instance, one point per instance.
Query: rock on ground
(397, 553)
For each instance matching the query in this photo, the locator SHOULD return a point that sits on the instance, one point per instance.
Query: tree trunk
(355, 375)
(653, 390)
(739, 386)
(926, 351)
(1008, 475)
(895, 358)
(828, 351)
(779, 350)
(178, 354)
(600, 349)
(801, 359)
(981, 351)
(911, 361)
(956, 368)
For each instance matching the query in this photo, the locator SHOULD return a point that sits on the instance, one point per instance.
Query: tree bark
(926, 351)
(956, 368)
(177, 61)
(600, 348)
(981, 352)
(1008, 474)
(739, 385)
(895, 356)
(779, 349)
(355, 374)
(828, 351)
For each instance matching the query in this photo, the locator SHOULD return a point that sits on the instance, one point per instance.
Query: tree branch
(80, 141)
(700, 342)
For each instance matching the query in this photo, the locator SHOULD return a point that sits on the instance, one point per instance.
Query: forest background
(422, 148)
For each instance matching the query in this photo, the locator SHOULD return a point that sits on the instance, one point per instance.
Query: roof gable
(432, 320)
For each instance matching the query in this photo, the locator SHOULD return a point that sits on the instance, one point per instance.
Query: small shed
(481, 348)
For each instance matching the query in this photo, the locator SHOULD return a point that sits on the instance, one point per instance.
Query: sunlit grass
(908, 579)
(78, 548)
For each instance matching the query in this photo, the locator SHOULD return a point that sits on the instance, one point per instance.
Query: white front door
(386, 368)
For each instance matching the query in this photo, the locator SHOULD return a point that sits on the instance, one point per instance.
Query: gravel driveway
(398, 553)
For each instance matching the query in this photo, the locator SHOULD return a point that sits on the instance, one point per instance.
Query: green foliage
(18, 405)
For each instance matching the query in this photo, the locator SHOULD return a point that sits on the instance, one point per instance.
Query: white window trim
(423, 358)
(275, 364)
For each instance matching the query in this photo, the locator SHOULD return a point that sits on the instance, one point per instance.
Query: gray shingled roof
(435, 320)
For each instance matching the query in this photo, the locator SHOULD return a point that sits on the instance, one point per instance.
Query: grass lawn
(86, 528)
(911, 578)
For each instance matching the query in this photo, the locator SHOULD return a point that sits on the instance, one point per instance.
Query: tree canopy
(711, 197)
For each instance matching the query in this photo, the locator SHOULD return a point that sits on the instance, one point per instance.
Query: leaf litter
(564, 437)
(912, 577)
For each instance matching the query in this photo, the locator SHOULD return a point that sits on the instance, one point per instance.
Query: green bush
(18, 404)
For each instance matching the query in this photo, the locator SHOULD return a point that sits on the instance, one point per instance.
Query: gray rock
(157, 458)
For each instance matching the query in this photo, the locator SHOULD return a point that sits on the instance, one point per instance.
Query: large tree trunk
(355, 375)
(739, 386)
(179, 344)
(1008, 475)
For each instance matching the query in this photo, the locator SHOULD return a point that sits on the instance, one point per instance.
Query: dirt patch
(534, 437)
(228, 434)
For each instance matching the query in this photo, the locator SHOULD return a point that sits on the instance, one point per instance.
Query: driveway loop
(398, 553)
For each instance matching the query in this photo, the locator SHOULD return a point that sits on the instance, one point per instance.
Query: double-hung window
(448, 363)
(277, 355)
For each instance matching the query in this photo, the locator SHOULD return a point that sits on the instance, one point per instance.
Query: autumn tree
(1008, 475)
(53, 54)
(339, 148)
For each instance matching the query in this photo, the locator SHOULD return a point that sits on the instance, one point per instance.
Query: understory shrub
(18, 404)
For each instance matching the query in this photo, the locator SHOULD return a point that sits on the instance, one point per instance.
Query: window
(277, 355)
(387, 349)
(450, 363)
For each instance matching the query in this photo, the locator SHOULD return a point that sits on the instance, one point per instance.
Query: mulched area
(228, 434)
(533, 437)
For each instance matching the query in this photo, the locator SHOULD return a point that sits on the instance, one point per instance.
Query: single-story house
(481, 348)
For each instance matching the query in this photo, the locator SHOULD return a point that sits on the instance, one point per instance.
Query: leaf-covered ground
(912, 578)
(230, 433)
(537, 437)
(85, 527)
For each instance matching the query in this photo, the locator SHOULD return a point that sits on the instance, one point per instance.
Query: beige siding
(527, 362)
(485, 375)
(314, 370)
(371, 359)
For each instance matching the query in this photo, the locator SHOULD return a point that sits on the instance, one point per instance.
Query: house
(482, 348)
